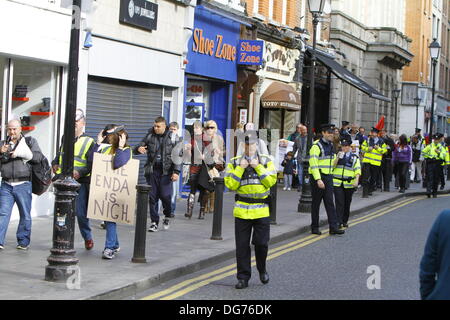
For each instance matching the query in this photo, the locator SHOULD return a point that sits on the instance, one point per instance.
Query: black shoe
(336, 231)
(434, 195)
(402, 191)
(316, 231)
(428, 195)
(242, 284)
(345, 225)
(442, 187)
(370, 194)
(264, 277)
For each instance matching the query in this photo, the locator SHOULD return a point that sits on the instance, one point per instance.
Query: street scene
(191, 150)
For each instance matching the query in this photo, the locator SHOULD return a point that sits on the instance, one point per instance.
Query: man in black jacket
(16, 155)
(160, 169)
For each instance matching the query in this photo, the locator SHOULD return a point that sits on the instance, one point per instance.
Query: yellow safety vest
(373, 157)
(319, 162)
(251, 183)
(81, 148)
(430, 152)
(345, 173)
(107, 150)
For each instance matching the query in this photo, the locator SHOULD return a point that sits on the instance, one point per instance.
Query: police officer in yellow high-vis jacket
(81, 172)
(373, 149)
(251, 175)
(345, 179)
(434, 155)
(322, 160)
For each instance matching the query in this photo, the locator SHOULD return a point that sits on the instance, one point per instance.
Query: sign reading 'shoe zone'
(250, 52)
(113, 192)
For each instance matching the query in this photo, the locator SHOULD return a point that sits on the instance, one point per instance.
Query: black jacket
(164, 144)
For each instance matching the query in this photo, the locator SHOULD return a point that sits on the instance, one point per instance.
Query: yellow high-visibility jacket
(375, 156)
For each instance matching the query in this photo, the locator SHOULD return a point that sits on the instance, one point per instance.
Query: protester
(251, 175)
(16, 153)
(402, 158)
(160, 169)
(112, 140)
(299, 149)
(289, 165)
(435, 264)
(82, 173)
(174, 127)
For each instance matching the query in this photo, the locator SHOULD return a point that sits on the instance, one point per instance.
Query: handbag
(213, 173)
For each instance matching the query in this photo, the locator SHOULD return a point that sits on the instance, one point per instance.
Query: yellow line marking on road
(273, 253)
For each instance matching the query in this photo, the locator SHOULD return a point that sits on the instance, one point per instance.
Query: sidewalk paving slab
(184, 248)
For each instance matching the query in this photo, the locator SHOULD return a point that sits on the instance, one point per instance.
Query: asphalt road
(381, 250)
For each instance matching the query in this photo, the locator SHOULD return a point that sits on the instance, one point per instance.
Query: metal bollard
(273, 204)
(218, 208)
(141, 223)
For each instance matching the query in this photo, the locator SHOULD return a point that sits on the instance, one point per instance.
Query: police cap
(345, 123)
(346, 141)
(328, 127)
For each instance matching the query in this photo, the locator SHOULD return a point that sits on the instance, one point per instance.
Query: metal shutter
(123, 103)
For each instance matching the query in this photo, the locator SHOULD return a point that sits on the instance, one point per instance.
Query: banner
(112, 196)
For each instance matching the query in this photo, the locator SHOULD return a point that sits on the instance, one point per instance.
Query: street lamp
(305, 201)
(395, 94)
(434, 53)
(62, 260)
(417, 102)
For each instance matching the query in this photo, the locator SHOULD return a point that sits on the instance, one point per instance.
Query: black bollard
(273, 204)
(218, 208)
(141, 223)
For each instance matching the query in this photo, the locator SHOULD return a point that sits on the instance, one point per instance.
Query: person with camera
(112, 140)
(345, 180)
(160, 169)
(83, 146)
(16, 155)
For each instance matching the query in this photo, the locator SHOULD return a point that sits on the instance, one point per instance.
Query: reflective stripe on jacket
(319, 161)
(373, 157)
(430, 152)
(80, 156)
(346, 169)
(254, 183)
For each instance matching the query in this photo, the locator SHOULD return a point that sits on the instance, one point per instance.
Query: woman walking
(402, 158)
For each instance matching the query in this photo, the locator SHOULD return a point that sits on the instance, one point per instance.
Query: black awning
(349, 77)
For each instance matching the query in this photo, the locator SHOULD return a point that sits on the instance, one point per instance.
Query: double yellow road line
(190, 285)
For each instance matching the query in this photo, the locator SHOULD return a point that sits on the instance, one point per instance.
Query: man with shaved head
(16, 157)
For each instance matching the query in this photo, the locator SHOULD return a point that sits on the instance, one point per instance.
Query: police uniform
(251, 211)
(344, 176)
(371, 163)
(321, 166)
(434, 155)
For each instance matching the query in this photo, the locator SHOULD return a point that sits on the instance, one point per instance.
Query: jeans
(112, 241)
(20, 194)
(81, 203)
(175, 188)
(288, 180)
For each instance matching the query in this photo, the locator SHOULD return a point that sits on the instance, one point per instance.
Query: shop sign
(280, 62)
(213, 47)
(139, 13)
(250, 52)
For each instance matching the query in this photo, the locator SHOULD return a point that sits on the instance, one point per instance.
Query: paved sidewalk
(184, 248)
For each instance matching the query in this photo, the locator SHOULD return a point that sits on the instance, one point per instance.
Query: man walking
(160, 170)
(300, 149)
(83, 147)
(15, 156)
(251, 175)
(322, 160)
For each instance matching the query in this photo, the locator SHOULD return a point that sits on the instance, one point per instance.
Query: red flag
(380, 124)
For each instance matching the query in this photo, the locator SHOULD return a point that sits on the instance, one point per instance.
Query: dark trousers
(442, 176)
(433, 171)
(386, 173)
(343, 198)
(161, 190)
(402, 173)
(260, 239)
(327, 196)
(375, 172)
(370, 176)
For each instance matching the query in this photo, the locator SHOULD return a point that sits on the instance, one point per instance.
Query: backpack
(41, 173)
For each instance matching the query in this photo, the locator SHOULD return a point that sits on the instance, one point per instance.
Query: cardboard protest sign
(112, 196)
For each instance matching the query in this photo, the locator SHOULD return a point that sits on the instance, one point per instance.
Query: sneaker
(103, 225)
(289, 189)
(153, 227)
(166, 224)
(109, 253)
(1, 247)
(21, 247)
(89, 244)
(117, 250)
(284, 189)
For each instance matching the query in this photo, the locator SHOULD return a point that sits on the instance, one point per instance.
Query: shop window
(33, 101)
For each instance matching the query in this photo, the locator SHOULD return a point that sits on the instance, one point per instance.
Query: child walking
(289, 164)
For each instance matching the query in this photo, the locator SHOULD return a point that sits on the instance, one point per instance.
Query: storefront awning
(281, 96)
(349, 77)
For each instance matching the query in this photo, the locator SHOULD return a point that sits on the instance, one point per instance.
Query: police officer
(81, 172)
(434, 155)
(251, 175)
(345, 179)
(322, 160)
(373, 149)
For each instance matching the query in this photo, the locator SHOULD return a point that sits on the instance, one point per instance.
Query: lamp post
(305, 201)
(395, 94)
(434, 53)
(417, 102)
(62, 260)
